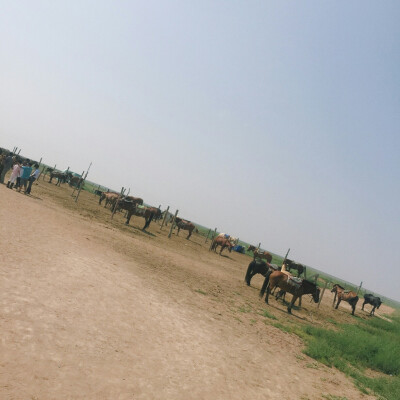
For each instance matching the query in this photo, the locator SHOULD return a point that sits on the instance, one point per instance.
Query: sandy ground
(90, 309)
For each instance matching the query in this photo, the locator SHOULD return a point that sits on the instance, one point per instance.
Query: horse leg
(289, 309)
(268, 292)
(249, 274)
(190, 234)
(222, 247)
(128, 218)
(338, 302)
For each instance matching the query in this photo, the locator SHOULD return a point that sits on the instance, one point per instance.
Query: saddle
(296, 282)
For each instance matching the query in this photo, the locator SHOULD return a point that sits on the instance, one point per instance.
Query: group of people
(23, 174)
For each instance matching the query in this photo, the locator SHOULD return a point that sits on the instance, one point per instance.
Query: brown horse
(260, 254)
(349, 296)
(286, 283)
(184, 225)
(148, 213)
(109, 197)
(62, 177)
(75, 181)
(223, 242)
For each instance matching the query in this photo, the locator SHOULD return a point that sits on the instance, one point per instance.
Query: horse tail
(265, 284)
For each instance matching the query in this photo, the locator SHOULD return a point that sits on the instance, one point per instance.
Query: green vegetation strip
(352, 348)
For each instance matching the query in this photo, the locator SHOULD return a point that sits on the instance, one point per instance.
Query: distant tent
(238, 248)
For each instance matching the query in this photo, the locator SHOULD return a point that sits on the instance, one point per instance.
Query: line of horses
(280, 277)
(134, 206)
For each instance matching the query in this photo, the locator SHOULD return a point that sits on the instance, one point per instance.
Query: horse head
(315, 295)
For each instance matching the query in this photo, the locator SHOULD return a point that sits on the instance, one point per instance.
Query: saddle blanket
(292, 280)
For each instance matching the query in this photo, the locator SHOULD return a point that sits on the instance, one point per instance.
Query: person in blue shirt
(26, 173)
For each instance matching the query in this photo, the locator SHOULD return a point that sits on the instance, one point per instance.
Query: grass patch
(201, 292)
(373, 344)
(268, 315)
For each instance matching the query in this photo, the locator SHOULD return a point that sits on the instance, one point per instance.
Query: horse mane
(341, 287)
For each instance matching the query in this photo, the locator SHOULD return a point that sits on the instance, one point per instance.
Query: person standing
(14, 174)
(7, 164)
(33, 178)
(26, 173)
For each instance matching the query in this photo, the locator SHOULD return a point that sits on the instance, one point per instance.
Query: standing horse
(373, 300)
(185, 225)
(62, 177)
(286, 283)
(260, 254)
(223, 242)
(148, 213)
(109, 197)
(293, 265)
(75, 181)
(349, 296)
(258, 267)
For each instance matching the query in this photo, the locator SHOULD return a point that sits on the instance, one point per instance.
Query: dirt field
(91, 309)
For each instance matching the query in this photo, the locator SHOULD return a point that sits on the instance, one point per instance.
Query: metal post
(172, 225)
(165, 216)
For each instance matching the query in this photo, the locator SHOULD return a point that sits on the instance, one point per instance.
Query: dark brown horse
(286, 283)
(258, 267)
(75, 181)
(294, 265)
(223, 242)
(349, 296)
(148, 213)
(62, 177)
(184, 225)
(257, 253)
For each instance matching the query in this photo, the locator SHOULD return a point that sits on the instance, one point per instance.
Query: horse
(373, 300)
(258, 267)
(46, 170)
(232, 239)
(109, 197)
(148, 213)
(260, 254)
(75, 181)
(293, 265)
(223, 242)
(62, 177)
(279, 279)
(185, 225)
(350, 297)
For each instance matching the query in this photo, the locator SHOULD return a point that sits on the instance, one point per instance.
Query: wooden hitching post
(359, 288)
(172, 225)
(82, 183)
(322, 294)
(165, 216)
(75, 186)
(212, 237)
(116, 203)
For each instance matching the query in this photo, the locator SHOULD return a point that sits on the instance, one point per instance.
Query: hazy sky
(274, 121)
